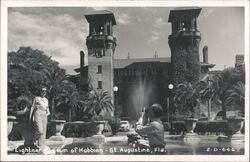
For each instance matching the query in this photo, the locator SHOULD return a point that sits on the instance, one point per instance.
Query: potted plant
(99, 105)
(186, 104)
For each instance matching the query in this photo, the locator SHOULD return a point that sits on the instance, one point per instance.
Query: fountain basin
(118, 145)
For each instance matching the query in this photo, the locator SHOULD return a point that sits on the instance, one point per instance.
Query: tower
(101, 46)
(184, 44)
(239, 60)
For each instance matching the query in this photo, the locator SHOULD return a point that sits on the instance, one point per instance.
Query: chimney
(82, 59)
(155, 55)
(128, 56)
(205, 54)
(239, 60)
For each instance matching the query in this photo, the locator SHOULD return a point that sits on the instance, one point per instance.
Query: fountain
(140, 93)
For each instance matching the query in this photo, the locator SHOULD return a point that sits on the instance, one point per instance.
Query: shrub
(203, 127)
(74, 129)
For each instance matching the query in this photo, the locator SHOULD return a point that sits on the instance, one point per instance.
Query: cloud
(60, 36)
(99, 8)
(159, 30)
(156, 35)
(206, 12)
(159, 22)
(123, 19)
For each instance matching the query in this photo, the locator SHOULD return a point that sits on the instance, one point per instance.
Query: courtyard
(119, 145)
(195, 111)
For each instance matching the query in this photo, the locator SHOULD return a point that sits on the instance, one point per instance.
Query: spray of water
(140, 97)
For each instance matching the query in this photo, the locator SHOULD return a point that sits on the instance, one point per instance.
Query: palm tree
(55, 79)
(186, 99)
(206, 91)
(216, 88)
(99, 103)
(221, 85)
(236, 96)
(70, 99)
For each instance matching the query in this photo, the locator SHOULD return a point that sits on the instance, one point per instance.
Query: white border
(77, 3)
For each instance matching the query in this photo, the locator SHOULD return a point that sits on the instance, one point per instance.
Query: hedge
(71, 129)
(202, 127)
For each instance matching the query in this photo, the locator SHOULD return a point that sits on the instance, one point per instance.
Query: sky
(140, 31)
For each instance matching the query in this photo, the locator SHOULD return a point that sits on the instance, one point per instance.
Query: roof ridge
(141, 58)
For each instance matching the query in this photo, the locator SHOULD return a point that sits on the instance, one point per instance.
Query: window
(99, 84)
(100, 29)
(99, 53)
(99, 69)
(185, 25)
(109, 29)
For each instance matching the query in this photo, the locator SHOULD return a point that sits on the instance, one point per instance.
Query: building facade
(142, 82)
(98, 74)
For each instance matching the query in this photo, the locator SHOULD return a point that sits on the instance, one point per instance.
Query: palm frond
(236, 95)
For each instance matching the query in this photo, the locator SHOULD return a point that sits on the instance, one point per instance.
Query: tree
(71, 101)
(206, 91)
(236, 96)
(28, 70)
(99, 104)
(24, 73)
(216, 88)
(56, 81)
(224, 81)
(186, 100)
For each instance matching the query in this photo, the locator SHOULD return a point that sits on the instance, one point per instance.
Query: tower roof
(100, 14)
(183, 10)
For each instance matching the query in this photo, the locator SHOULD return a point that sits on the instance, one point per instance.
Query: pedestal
(98, 138)
(100, 126)
(190, 125)
(11, 120)
(191, 138)
(59, 125)
(57, 138)
(235, 125)
(57, 145)
(236, 138)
